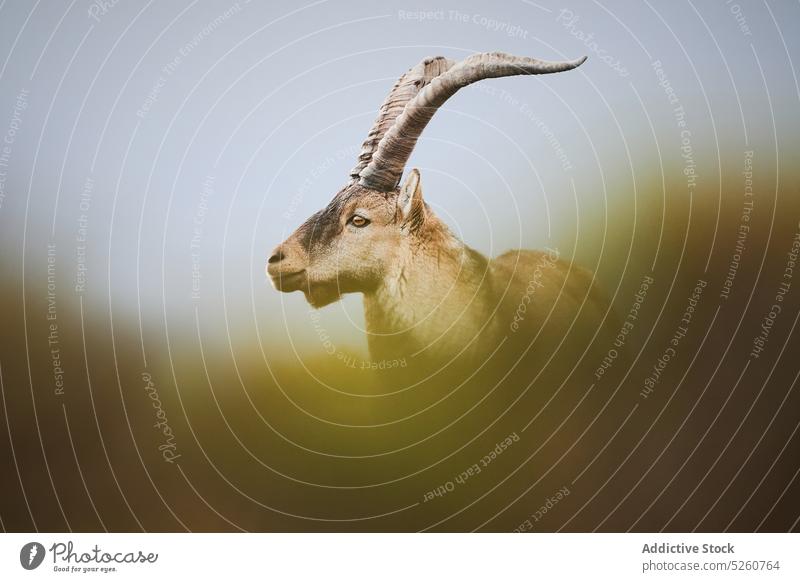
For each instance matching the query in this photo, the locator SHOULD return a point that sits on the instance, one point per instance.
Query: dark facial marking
(324, 226)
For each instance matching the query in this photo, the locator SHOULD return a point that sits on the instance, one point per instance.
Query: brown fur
(426, 294)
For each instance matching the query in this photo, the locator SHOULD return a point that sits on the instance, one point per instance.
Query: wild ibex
(426, 293)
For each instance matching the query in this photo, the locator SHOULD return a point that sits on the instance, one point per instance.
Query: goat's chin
(319, 295)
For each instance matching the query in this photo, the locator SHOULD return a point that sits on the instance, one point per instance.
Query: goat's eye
(358, 221)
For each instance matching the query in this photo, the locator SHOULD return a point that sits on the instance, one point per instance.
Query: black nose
(276, 258)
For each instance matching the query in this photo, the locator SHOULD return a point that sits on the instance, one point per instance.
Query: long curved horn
(385, 168)
(406, 88)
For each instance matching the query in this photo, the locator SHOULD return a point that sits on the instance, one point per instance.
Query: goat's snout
(274, 266)
(286, 268)
(277, 256)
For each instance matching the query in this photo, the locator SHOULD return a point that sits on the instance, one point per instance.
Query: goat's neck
(430, 302)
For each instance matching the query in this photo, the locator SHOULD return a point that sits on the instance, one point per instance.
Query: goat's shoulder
(545, 271)
(524, 263)
(539, 287)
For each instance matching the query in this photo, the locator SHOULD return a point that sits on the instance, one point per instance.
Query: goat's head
(350, 245)
(354, 242)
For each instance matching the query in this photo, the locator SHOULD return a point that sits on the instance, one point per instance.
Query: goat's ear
(410, 203)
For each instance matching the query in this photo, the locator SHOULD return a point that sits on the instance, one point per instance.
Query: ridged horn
(403, 118)
(405, 89)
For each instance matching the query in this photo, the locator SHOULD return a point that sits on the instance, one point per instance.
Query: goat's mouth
(288, 282)
(318, 294)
